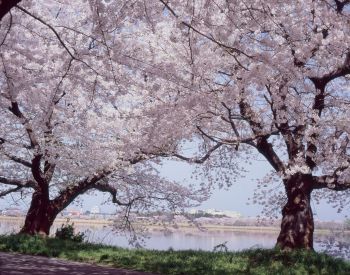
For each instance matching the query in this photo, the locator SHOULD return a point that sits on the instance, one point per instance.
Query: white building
(95, 210)
(228, 213)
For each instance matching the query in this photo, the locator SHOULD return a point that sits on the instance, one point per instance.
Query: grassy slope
(180, 262)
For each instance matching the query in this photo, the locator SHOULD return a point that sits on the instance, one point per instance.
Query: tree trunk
(43, 211)
(297, 225)
(40, 215)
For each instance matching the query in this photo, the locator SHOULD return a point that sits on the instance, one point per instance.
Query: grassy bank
(179, 262)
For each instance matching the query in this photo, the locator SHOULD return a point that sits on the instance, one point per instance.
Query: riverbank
(180, 227)
(257, 261)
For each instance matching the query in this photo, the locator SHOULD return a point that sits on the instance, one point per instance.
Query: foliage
(180, 262)
(72, 108)
(34, 245)
(87, 97)
(347, 224)
(66, 232)
(247, 83)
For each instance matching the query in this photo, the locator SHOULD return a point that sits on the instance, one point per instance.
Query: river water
(336, 243)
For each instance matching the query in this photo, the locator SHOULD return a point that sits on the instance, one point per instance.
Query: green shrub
(66, 232)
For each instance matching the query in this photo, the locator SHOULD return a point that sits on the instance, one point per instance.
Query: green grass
(257, 261)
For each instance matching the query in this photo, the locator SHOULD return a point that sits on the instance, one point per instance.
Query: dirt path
(12, 263)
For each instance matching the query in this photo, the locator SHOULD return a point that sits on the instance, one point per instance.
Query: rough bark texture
(43, 211)
(297, 225)
(40, 215)
(6, 6)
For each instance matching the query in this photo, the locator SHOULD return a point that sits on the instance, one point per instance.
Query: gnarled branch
(9, 191)
(17, 182)
(6, 6)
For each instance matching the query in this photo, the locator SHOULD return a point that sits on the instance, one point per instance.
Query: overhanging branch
(262, 143)
(6, 6)
(209, 37)
(9, 191)
(105, 187)
(18, 160)
(49, 26)
(58, 37)
(67, 195)
(332, 181)
(17, 182)
(188, 159)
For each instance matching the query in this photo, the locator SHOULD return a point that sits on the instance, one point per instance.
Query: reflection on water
(178, 240)
(336, 244)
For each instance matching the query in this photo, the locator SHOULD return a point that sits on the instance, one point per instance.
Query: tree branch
(3, 140)
(12, 157)
(210, 38)
(58, 37)
(340, 5)
(18, 160)
(292, 138)
(188, 159)
(71, 192)
(321, 82)
(6, 6)
(105, 187)
(8, 29)
(49, 26)
(25, 122)
(233, 125)
(262, 144)
(9, 191)
(318, 107)
(35, 165)
(330, 182)
(19, 183)
(202, 159)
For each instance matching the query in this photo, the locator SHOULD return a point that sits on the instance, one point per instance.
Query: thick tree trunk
(40, 215)
(297, 225)
(43, 211)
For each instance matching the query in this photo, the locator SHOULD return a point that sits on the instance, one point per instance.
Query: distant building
(95, 210)
(193, 211)
(12, 211)
(228, 213)
(74, 213)
(215, 212)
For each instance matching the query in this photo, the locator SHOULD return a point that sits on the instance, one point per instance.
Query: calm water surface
(336, 244)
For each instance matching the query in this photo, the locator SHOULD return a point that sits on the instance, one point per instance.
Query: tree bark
(6, 6)
(297, 226)
(43, 211)
(40, 215)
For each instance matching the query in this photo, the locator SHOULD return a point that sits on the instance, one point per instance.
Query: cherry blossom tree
(259, 78)
(71, 114)
(242, 78)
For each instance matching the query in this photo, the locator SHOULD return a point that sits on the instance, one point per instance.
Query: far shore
(184, 227)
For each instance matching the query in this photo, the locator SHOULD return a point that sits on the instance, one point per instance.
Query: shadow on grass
(256, 261)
